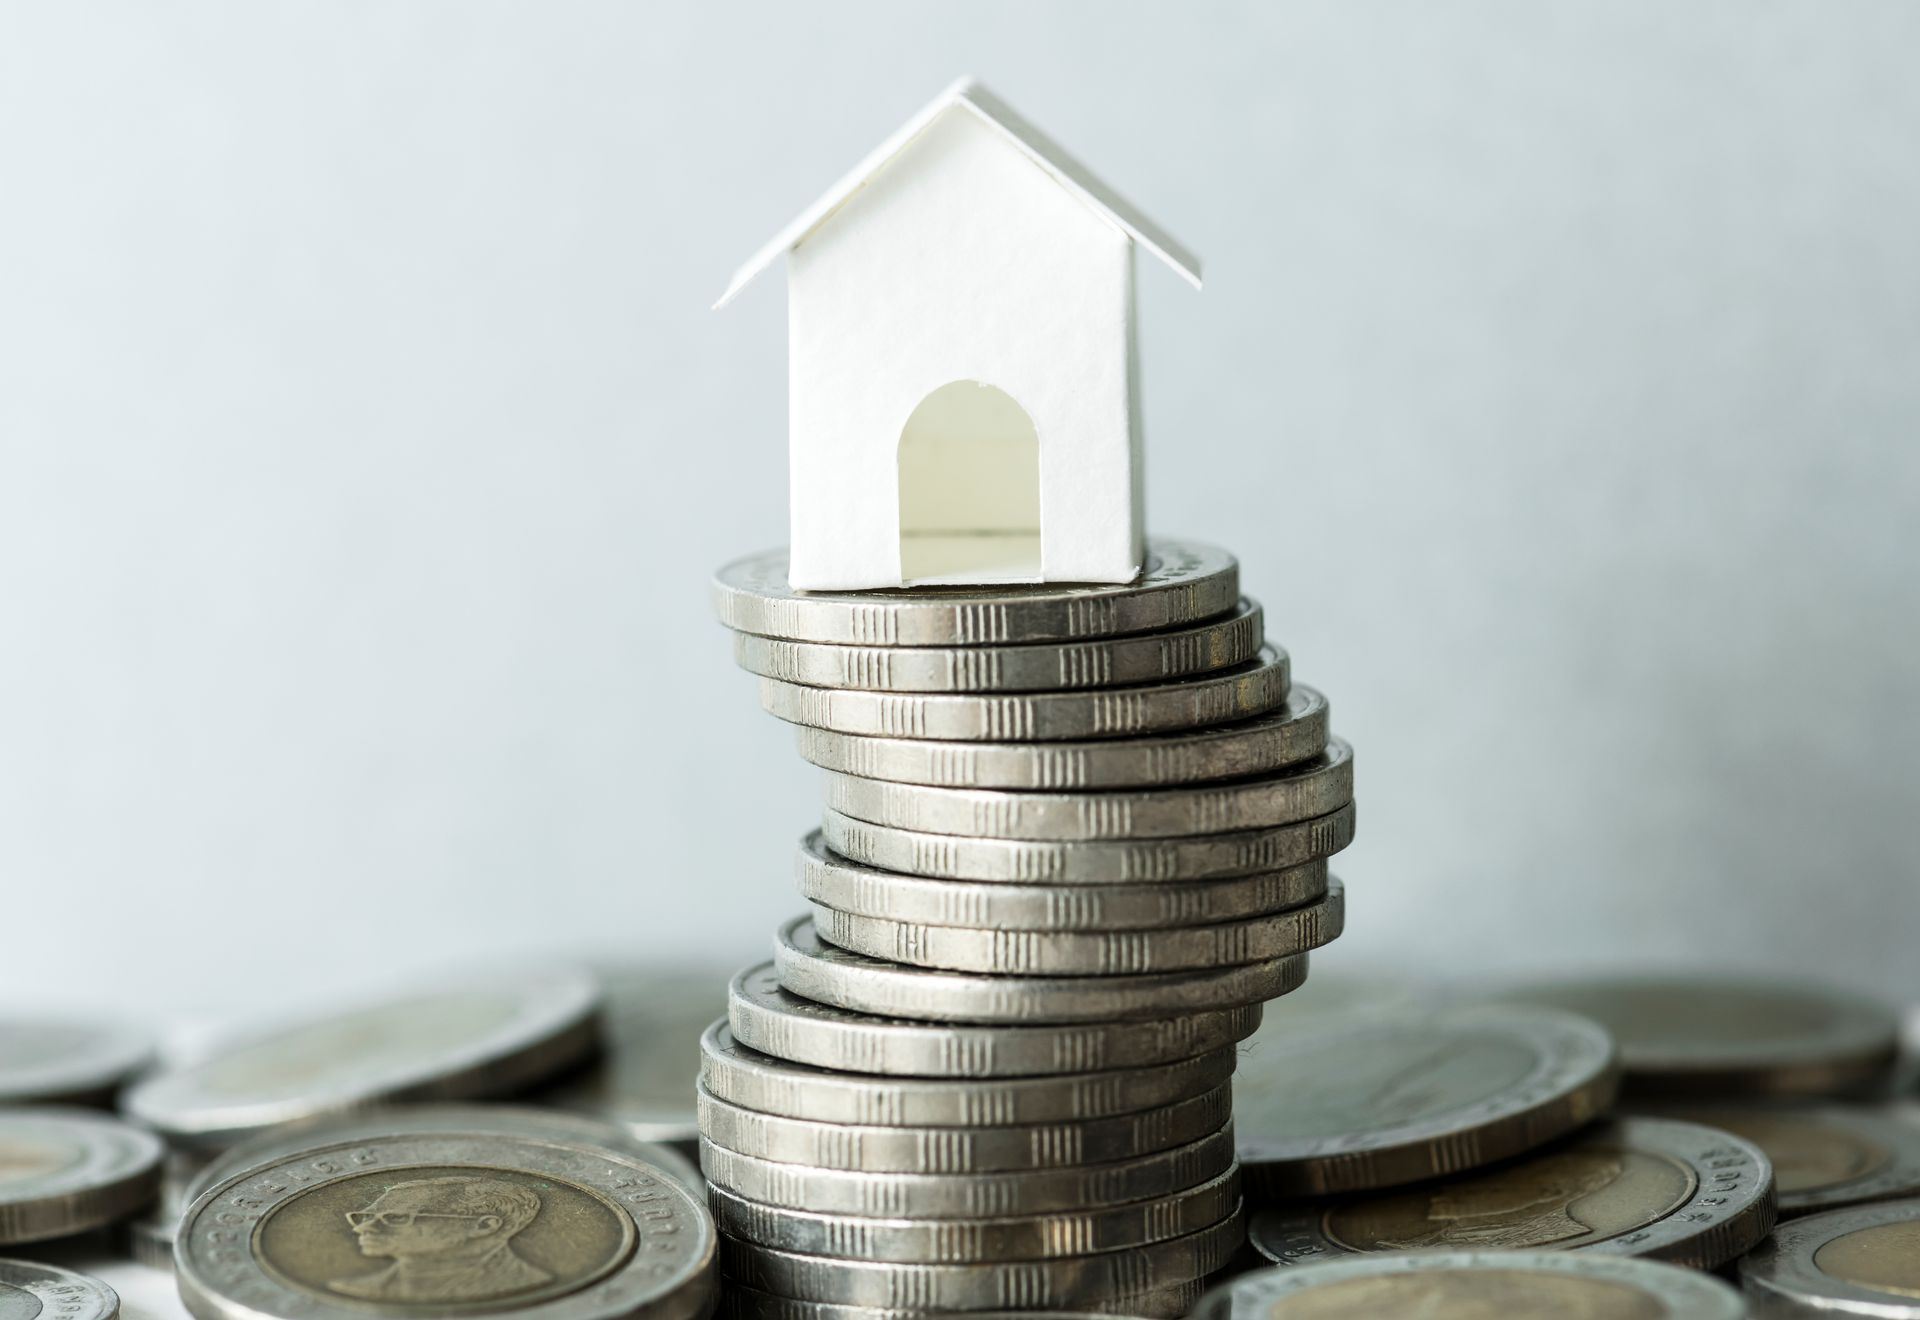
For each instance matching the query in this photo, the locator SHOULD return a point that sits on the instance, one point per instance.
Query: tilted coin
(447, 1224)
(1232, 639)
(1110, 861)
(1475, 1285)
(1397, 1096)
(1693, 1035)
(813, 969)
(1180, 582)
(759, 1081)
(64, 1171)
(1295, 732)
(464, 1040)
(765, 1016)
(1064, 1281)
(28, 1289)
(870, 1148)
(740, 1303)
(1286, 797)
(1652, 1187)
(848, 886)
(954, 1241)
(149, 1238)
(1823, 1156)
(47, 1061)
(1860, 1261)
(1239, 693)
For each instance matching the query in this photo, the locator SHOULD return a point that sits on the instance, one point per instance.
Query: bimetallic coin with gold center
(1823, 1156)
(1860, 1261)
(64, 1171)
(29, 1291)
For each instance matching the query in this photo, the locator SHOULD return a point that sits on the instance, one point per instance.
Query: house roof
(1030, 141)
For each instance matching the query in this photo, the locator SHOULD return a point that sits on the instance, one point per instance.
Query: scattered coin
(740, 1303)
(57, 1062)
(1398, 1096)
(1651, 1187)
(1181, 581)
(65, 1171)
(1475, 1285)
(28, 1290)
(1860, 1261)
(149, 1238)
(464, 1040)
(1823, 1156)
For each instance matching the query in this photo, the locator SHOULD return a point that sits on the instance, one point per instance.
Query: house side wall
(960, 260)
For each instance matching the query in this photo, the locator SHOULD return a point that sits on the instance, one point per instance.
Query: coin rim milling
(117, 1173)
(72, 1285)
(108, 1054)
(1781, 1273)
(1170, 1303)
(224, 1221)
(1574, 1078)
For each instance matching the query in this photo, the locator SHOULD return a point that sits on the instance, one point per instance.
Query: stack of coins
(1074, 838)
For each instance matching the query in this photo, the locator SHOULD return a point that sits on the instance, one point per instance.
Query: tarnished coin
(1064, 1281)
(1239, 693)
(1112, 861)
(1707, 1036)
(955, 1241)
(848, 886)
(869, 1148)
(813, 969)
(464, 1040)
(65, 1171)
(1823, 1156)
(1652, 1187)
(49, 1061)
(1475, 1285)
(1397, 1096)
(739, 1303)
(1286, 797)
(753, 1080)
(1295, 732)
(28, 1290)
(1860, 1261)
(976, 1196)
(1232, 639)
(1181, 581)
(765, 1016)
(447, 1224)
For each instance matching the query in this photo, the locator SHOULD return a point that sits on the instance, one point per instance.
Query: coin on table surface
(1863, 1261)
(1823, 1156)
(1475, 1285)
(765, 1016)
(1292, 733)
(463, 1040)
(848, 886)
(1652, 1187)
(1239, 693)
(1705, 1035)
(740, 1303)
(447, 1224)
(1196, 648)
(64, 1171)
(814, 969)
(46, 1061)
(1401, 1095)
(1181, 581)
(28, 1290)
(1109, 861)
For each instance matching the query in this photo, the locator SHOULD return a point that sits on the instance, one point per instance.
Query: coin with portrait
(1862, 1260)
(1824, 1156)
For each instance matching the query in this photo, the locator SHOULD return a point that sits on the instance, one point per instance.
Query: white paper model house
(964, 393)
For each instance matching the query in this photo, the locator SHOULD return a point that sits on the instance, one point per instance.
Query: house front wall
(961, 260)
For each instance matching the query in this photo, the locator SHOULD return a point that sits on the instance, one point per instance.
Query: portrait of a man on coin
(450, 1240)
(1527, 1206)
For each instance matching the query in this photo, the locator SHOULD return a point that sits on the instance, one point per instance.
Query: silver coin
(512, 1225)
(28, 1289)
(1181, 581)
(1651, 1187)
(959, 1241)
(149, 1238)
(1823, 1156)
(463, 1040)
(1295, 732)
(1064, 1281)
(1860, 1261)
(1232, 639)
(764, 1016)
(845, 885)
(1287, 797)
(1239, 693)
(1510, 1285)
(1113, 861)
(740, 1303)
(65, 1171)
(813, 969)
(1394, 1097)
(48, 1061)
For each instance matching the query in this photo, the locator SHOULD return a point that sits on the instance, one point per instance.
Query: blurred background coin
(1860, 1261)
(1823, 1156)
(64, 1171)
(51, 1061)
(29, 1291)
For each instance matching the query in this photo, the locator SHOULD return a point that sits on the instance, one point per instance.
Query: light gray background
(366, 444)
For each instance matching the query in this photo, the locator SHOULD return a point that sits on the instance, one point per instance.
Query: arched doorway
(969, 488)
